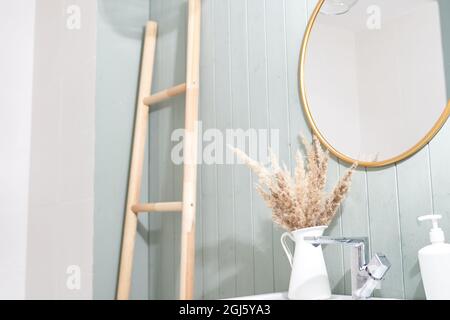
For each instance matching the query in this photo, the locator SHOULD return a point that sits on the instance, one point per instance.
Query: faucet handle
(378, 266)
(375, 271)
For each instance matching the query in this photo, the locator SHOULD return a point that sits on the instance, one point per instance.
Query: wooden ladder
(187, 206)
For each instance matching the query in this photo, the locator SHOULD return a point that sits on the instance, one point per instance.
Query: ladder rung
(165, 94)
(157, 207)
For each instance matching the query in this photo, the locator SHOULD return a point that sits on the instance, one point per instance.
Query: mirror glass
(374, 76)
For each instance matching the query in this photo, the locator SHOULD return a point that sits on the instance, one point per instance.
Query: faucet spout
(358, 245)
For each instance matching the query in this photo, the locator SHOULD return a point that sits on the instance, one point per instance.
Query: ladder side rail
(187, 262)
(137, 162)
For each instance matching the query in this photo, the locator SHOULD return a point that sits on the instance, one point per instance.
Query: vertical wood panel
(208, 172)
(224, 120)
(334, 254)
(440, 174)
(257, 74)
(384, 226)
(354, 217)
(199, 260)
(414, 200)
(165, 116)
(278, 114)
(241, 175)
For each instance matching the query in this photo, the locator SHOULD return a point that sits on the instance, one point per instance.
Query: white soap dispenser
(434, 261)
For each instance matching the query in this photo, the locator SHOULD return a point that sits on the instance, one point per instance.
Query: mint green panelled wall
(119, 40)
(249, 63)
(249, 80)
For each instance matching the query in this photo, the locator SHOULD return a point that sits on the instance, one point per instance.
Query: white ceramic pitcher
(309, 277)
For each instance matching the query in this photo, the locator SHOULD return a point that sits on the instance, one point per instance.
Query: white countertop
(283, 296)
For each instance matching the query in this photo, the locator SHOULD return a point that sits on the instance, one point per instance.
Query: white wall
(402, 75)
(336, 108)
(16, 75)
(61, 206)
(47, 107)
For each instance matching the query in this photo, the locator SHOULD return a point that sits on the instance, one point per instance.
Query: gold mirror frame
(418, 146)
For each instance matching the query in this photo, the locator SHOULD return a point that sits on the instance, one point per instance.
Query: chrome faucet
(366, 277)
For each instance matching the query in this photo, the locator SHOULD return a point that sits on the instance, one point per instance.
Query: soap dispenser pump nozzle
(436, 233)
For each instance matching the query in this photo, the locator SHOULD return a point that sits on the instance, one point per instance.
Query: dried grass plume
(298, 200)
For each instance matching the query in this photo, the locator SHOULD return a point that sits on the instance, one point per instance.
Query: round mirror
(375, 76)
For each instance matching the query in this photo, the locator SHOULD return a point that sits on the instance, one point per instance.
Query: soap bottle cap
(436, 233)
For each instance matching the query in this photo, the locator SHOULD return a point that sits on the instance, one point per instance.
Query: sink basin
(283, 296)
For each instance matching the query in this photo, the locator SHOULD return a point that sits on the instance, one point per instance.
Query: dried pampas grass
(299, 201)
